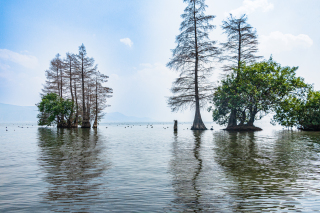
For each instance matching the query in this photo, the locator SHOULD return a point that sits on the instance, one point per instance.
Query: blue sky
(131, 41)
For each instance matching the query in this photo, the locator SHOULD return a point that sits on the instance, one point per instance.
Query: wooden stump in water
(175, 127)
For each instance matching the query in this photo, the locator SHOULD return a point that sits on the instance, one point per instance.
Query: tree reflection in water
(264, 169)
(243, 172)
(71, 160)
(190, 183)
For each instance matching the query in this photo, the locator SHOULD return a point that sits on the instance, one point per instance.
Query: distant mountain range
(13, 113)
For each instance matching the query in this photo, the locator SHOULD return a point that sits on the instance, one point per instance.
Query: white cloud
(127, 41)
(279, 42)
(28, 61)
(249, 6)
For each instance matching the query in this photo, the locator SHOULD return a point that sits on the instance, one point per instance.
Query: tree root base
(199, 128)
(243, 128)
(86, 124)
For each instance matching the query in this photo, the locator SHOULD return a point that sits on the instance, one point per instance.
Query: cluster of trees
(74, 93)
(249, 90)
(253, 92)
(301, 110)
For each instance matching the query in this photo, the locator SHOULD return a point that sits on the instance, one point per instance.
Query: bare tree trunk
(72, 98)
(239, 51)
(85, 117)
(197, 122)
(253, 113)
(175, 127)
(233, 115)
(75, 124)
(95, 124)
(243, 118)
(233, 118)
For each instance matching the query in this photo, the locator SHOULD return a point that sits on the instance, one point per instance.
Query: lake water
(126, 168)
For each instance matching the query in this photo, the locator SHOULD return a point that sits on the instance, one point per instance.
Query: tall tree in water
(192, 58)
(70, 74)
(241, 46)
(86, 69)
(101, 94)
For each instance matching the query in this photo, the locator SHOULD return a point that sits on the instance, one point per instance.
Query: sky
(131, 41)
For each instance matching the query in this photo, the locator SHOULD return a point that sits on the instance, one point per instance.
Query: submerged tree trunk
(95, 124)
(198, 123)
(175, 126)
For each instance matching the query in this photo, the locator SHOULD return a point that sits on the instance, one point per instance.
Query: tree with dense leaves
(192, 58)
(301, 110)
(54, 109)
(241, 47)
(254, 92)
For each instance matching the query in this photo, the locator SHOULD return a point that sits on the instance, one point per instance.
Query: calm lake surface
(140, 169)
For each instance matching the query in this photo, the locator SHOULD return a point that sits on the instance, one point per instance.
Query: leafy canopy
(255, 93)
(301, 110)
(53, 109)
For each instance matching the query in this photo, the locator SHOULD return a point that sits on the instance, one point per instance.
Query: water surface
(136, 168)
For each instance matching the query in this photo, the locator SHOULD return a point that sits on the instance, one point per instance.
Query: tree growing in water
(76, 80)
(240, 47)
(301, 110)
(101, 93)
(86, 68)
(192, 58)
(54, 109)
(260, 87)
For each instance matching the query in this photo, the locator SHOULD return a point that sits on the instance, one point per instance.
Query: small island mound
(241, 128)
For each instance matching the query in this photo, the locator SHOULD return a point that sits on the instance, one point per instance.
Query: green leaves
(254, 91)
(53, 109)
(301, 109)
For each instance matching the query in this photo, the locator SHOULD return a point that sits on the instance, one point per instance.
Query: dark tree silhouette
(192, 58)
(86, 69)
(240, 47)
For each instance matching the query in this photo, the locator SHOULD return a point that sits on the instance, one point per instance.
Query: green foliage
(53, 109)
(301, 110)
(254, 92)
